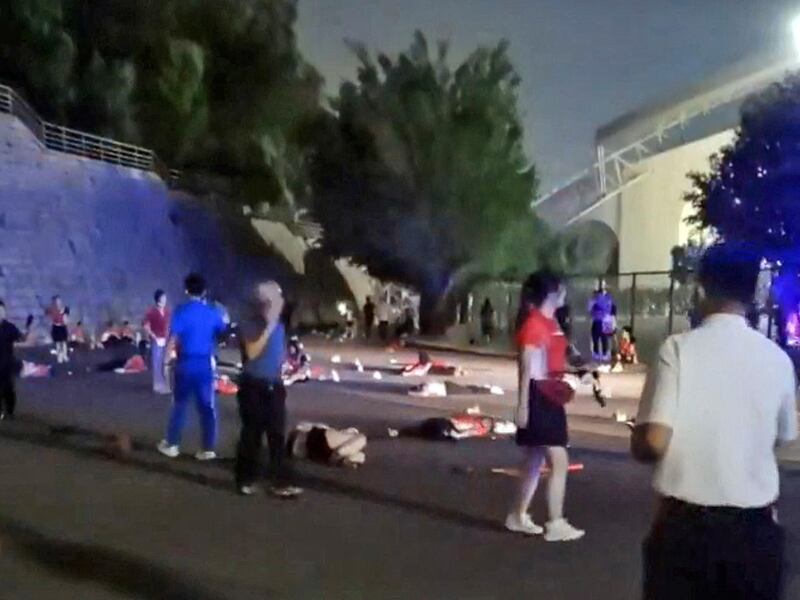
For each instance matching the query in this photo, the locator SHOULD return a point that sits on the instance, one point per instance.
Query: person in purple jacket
(601, 307)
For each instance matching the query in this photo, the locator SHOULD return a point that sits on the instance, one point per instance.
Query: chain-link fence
(654, 304)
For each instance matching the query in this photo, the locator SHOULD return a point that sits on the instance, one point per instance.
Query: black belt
(674, 506)
(262, 381)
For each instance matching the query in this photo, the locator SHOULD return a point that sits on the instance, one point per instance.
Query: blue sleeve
(176, 322)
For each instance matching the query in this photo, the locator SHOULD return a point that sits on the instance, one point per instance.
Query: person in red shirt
(156, 326)
(541, 417)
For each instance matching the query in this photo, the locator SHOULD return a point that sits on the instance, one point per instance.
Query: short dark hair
(195, 284)
(729, 272)
(535, 290)
(158, 294)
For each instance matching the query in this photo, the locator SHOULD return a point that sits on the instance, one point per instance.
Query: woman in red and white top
(59, 319)
(156, 326)
(541, 416)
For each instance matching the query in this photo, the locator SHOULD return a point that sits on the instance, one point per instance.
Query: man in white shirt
(716, 404)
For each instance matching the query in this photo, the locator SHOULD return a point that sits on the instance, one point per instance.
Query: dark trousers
(8, 394)
(715, 554)
(262, 408)
(383, 330)
(599, 339)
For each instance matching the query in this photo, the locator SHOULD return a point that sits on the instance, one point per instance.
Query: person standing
(718, 401)
(194, 330)
(262, 395)
(383, 313)
(600, 307)
(9, 365)
(156, 327)
(369, 318)
(541, 416)
(59, 318)
(487, 321)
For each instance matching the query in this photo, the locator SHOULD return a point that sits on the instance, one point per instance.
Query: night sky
(583, 62)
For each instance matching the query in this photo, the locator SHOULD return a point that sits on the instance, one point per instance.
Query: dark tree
(421, 176)
(752, 192)
(217, 88)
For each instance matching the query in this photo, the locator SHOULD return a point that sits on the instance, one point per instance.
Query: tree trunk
(436, 313)
(438, 304)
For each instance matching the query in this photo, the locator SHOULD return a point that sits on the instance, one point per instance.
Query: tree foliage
(420, 173)
(752, 192)
(218, 87)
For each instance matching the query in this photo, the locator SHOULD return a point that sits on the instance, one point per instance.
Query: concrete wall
(648, 216)
(105, 237)
(652, 210)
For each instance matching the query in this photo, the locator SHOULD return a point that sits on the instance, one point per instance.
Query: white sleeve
(659, 403)
(787, 418)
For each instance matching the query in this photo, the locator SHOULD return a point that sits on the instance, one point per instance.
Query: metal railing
(78, 143)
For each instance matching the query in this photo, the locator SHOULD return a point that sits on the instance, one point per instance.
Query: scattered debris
(335, 376)
(336, 359)
(376, 375)
(358, 366)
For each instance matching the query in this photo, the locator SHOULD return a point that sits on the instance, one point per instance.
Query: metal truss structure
(623, 145)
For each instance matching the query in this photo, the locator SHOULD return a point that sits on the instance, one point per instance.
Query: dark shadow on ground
(118, 571)
(91, 444)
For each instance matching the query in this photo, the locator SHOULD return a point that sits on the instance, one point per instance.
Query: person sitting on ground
(127, 333)
(323, 444)
(77, 336)
(628, 354)
(110, 335)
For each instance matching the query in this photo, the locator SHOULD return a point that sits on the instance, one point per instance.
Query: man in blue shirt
(194, 330)
(262, 395)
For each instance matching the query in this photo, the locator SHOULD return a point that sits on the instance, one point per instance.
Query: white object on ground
(336, 359)
(393, 433)
(393, 361)
(604, 369)
(502, 427)
(376, 375)
(430, 389)
(359, 367)
(474, 410)
(620, 417)
(496, 390)
(335, 376)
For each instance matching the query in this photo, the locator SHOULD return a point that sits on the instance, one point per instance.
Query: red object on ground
(135, 364)
(515, 471)
(226, 387)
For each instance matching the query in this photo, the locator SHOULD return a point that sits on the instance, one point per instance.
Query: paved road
(420, 520)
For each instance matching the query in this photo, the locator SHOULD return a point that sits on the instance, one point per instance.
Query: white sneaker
(204, 455)
(523, 524)
(561, 531)
(167, 450)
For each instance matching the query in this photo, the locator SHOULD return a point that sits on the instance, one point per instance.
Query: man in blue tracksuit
(194, 330)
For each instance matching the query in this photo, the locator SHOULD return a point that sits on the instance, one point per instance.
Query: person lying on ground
(459, 426)
(321, 443)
